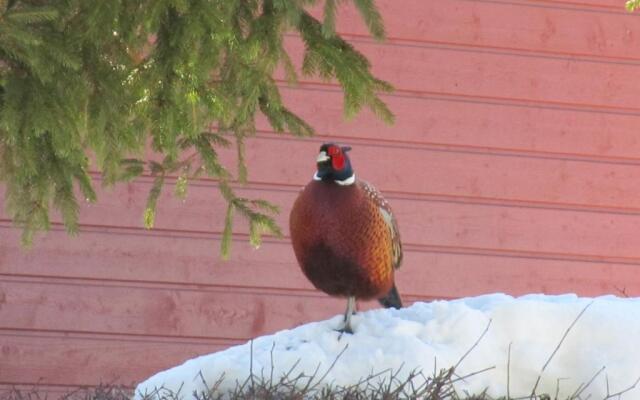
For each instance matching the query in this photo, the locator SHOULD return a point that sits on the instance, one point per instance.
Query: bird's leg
(351, 307)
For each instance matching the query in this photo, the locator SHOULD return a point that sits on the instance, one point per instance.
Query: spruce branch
(258, 213)
(289, 69)
(84, 183)
(109, 81)
(152, 200)
(242, 165)
(65, 200)
(632, 5)
(181, 186)
(371, 17)
(225, 243)
(31, 15)
(335, 58)
(130, 168)
(329, 22)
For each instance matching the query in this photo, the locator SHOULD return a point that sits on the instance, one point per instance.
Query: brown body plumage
(346, 239)
(342, 241)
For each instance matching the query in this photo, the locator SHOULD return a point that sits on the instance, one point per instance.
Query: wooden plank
(152, 309)
(443, 274)
(439, 221)
(434, 171)
(141, 256)
(472, 124)
(498, 74)
(424, 171)
(427, 170)
(612, 5)
(85, 360)
(426, 272)
(395, 170)
(521, 229)
(533, 26)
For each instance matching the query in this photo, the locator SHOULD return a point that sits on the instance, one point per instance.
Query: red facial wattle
(337, 158)
(337, 162)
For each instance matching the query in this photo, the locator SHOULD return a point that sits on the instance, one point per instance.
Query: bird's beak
(322, 157)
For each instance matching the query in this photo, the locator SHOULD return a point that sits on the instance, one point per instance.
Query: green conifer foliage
(632, 5)
(104, 80)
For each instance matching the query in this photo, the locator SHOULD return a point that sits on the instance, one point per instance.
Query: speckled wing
(390, 222)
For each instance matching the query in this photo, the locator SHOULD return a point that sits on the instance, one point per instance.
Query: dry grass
(383, 386)
(102, 392)
(387, 386)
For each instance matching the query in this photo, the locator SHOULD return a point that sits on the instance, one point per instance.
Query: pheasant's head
(334, 165)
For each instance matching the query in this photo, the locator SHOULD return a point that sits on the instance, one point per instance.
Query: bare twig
(582, 387)
(509, 371)
(330, 367)
(622, 291)
(486, 329)
(469, 375)
(251, 364)
(307, 387)
(273, 346)
(620, 393)
(557, 389)
(564, 336)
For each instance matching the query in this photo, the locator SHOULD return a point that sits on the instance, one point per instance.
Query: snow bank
(440, 333)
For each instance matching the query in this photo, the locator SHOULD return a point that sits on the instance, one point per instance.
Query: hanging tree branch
(111, 81)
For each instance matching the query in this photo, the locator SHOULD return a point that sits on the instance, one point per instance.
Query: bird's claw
(346, 329)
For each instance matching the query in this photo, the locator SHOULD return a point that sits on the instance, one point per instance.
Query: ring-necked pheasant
(344, 234)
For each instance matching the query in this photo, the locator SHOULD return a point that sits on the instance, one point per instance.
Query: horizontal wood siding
(513, 166)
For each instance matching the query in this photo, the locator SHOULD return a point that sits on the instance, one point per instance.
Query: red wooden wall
(514, 166)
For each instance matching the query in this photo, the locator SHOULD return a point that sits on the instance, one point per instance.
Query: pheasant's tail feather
(392, 299)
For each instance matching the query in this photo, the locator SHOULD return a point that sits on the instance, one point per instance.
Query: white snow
(441, 332)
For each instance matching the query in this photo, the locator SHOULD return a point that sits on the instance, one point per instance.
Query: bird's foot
(346, 329)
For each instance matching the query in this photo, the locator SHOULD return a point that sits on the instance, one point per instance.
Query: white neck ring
(345, 182)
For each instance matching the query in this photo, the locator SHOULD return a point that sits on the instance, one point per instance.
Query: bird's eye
(334, 150)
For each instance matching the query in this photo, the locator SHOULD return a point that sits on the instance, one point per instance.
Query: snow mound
(437, 335)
